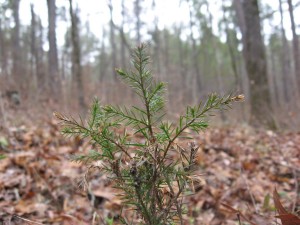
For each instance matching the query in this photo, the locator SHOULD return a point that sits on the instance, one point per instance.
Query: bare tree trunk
(32, 41)
(112, 41)
(34, 58)
(157, 42)
(16, 42)
(286, 76)
(295, 42)
(195, 52)
(103, 62)
(123, 42)
(244, 81)
(3, 52)
(256, 65)
(183, 68)
(40, 57)
(76, 58)
(240, 15)
(216, 56)
(137, 10)
(103, 58)
(231, 50)
(53, 77)
(273, 82)
(166, 52)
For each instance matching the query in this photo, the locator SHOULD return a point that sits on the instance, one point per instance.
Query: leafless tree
(256, 64)
(16, 41)
(76, 57)
(295, 41)
(53, 78)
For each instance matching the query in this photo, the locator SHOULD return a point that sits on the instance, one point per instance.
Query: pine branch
(196, 113)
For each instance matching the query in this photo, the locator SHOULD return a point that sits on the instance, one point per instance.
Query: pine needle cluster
(151, 182)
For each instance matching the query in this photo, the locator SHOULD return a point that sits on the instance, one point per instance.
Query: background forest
(59, 55)
(69, 55)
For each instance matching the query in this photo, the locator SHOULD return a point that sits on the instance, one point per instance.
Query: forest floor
(241, 166)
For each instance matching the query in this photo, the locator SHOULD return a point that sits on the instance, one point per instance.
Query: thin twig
(27, 220)
(294, 171)
(172, 200)
(296, 189)
(118, 145)
(239, 219)
(250, 192)
(205, 109)
(48, 188)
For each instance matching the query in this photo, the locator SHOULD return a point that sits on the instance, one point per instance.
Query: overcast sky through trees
(169, 12)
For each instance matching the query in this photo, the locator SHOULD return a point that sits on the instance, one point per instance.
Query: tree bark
(295, 42)
(285, 58)
(123, 41)
(16, 42)
(53, 77)
(76, 58)
(256, 65)
(183, 69)
(112, 42)
(103, 58)
(35, 58)
(231, 49)
(42, 80)
(137, 10)
(3, 51)
(194, 52)
(157, 42)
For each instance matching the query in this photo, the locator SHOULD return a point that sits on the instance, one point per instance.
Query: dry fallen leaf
(285, 217)
(237, 212)
(289, 219)
(278, 205)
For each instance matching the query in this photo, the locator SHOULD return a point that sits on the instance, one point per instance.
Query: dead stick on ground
(296, 189)
(249, 190)
(294, 171)
(27, 220)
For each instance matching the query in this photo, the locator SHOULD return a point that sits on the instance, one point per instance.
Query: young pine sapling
(142, 169)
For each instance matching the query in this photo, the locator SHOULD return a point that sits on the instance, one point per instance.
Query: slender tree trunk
(76, 58)
(256, 65)
(137, 10)
(166, 52)
(123, 42)
(53, 77)
(157, 42)
(103, 58)
(103, 62)
(3, 51)
(240, 17)
(286, 76)
(195, 53)
(273, 84)
(40, 57)
(16, 43)
(295, 42)
(217, 58)
(34, 58)
(32, 41)
(182, 65)
(231, 50)
(112, 41)
(244, 81)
